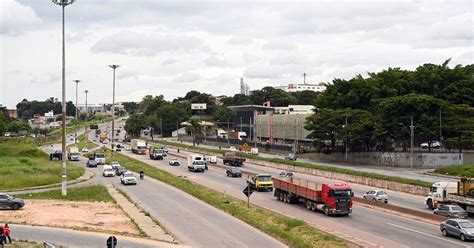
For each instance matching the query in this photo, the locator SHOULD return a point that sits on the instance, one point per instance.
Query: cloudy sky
(171, 47)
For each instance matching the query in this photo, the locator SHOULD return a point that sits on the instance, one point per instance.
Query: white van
(108, 171)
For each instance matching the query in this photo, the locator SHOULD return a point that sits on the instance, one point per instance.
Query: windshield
(235, 170)
(99, 155)
(265, 178)
(108, 169)
(199, 162)
(456, 208)
(466, 224)
(141, 147)
(340, 192)
(127, 174)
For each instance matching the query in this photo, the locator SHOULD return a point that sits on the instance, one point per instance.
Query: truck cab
(73, 154)
(156, 153)
(261, 182)
(196, 163)
(439, 192)
(337, 198)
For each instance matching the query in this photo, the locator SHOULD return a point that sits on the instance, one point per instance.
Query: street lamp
(87, 111)
(113, 107)
(77, 85)
(63, 4)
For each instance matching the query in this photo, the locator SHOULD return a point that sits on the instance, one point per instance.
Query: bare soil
(92, 216)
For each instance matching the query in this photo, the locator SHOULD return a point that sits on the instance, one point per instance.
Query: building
(91, 108)
(295, 109)
(244, 88)
(245, 116)
(302, 87)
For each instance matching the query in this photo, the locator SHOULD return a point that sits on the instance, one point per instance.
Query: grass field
(307, 165)
(94, 193)
(294, 232)
(24, 165)
(465, 170)
(82, 142)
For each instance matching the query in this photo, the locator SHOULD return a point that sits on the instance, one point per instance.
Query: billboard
(196, 106)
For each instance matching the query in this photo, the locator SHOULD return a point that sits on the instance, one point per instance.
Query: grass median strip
(463, 170)
(307, 165)
(24, 165)
(93, 193)
(294, 232)
(83, 141)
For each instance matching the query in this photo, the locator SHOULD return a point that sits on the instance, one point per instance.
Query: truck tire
(308, 205)
(326, 210)
(280, 196)
(430, 204)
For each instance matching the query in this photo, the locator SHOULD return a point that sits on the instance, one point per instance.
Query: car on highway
(174, 162)
(232, 149)
(119, 170)
(451, 211)
(461, 228)
(286, 174)
(128, 178)
(233, 172)
(99, 157)
(434, 144)
(291, 156)
(91, 163)
(10, 202)
(115, 164)
(118, 149)
(85, 150)
(376, 195)
(128, 148)
(107, 171)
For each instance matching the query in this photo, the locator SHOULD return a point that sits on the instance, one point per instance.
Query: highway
(366, 226)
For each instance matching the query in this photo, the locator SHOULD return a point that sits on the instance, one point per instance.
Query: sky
(171, 47)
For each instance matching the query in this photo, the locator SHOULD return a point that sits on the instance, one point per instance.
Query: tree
(195, 128)
(458, 123)
(134, 124)
(3, 123)
(131, 107)
(223, 114)
(171, 117)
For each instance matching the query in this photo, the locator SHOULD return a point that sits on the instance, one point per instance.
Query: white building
(294, 109)
(301, 87)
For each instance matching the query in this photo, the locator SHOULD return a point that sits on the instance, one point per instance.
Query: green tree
(195, 128)
(134, 124)
(223, 114)
(458, 124)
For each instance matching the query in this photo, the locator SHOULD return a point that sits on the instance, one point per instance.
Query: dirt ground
(93, 216)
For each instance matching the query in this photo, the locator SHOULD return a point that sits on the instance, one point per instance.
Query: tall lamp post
(87, 111)
(113, 107)
(77, 86)
(63, 4)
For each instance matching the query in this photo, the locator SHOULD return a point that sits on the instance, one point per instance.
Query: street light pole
(63, 4)
(113, 107)
(412, 134)
(77, 86)
(87, 111)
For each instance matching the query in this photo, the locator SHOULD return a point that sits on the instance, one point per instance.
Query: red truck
(332, 199)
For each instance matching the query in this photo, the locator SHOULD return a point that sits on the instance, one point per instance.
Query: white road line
(429, 235)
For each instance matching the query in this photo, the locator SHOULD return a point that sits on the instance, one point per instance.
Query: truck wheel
(326, 210)
(430, 204)
(280, 196)
(308, 205)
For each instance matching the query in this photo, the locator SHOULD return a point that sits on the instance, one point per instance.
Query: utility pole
(77, 86)
(304, 78)
(440, 128)
(87, 110)
(250, 128)
(296, 138)
(63, 4)
(345, 126)
(241, 124)
(113, 108)
(412, 134)
(228, 140)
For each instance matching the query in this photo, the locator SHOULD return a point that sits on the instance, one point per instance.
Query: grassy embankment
(83, 141)
(24, 165)
(294, 232)
(307, 165)
(94, 193)
(464, 170)
(55, 135)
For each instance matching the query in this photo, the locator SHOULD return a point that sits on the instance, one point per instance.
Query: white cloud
(187, 77)
(16, 18)
(215, 61)
(279, 45)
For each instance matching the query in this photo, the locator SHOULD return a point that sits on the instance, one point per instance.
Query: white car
(376, 195)
(128, 148)
(128, 178)
(232, 149)
(174, 162)
(434, 144)
(85, 149)
(108, 171)
(115, 164)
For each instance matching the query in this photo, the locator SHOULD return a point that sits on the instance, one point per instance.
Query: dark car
(463, 229)
(234, 172)
(10, 202)
(91, 163)
(119, 170)
(56, 155)
(449, 211)
(286, 174)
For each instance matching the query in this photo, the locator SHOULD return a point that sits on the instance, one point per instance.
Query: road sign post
(111, 242)
(248, 191)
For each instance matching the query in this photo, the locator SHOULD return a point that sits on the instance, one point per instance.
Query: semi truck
(332, 199)
(73, 154)
(196, 163)
(260, 182)
(460, 193)
(156, 153)
(211, 159)
(138, 146)
(231, 159)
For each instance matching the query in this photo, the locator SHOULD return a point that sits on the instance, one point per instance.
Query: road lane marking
(429, 235)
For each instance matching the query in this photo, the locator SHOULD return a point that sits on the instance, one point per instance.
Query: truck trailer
(231, 159)
(332, 199)
(138, 146)
(196, 163)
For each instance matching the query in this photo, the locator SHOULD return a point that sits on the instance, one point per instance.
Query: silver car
(376, 195)
(449, 211)
(463, 229)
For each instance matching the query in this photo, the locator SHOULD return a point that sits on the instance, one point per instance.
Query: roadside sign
(248, 191)
(245, 147)
(111, 242)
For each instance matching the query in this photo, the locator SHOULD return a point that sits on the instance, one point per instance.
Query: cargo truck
(260, 182)
(102, 137)
(156, 153)
(231, 159)
(332, 199)
(73, 154)
(196, 163)
(138, 146)
(460, 193)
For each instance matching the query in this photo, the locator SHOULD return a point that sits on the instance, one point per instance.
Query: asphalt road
(366, 226)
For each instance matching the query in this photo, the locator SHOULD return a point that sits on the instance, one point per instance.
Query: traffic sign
(248, 191)
(111, 242)
(245, 147)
